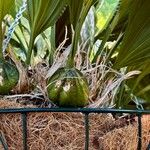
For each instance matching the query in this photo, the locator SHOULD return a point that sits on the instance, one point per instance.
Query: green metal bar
(24, 130)
(3, 142)
(86, 123)
(85, 111)
(139, 147)
(148, 148)
(82, 110)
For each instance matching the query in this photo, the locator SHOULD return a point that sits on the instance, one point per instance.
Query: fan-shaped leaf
(135, 47)
(41, 15)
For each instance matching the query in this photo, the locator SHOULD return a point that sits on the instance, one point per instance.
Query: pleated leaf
(135, 47)
(44, 13)
(75, 7)
(80, 18)
(41, 15)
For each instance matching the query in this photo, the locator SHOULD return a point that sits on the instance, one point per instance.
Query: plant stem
(85, 8)
(53, 44)
(29, 53)
(120, 101)
(1, 42)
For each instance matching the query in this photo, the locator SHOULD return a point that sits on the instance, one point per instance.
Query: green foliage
(8, 73)
(107, 31)
(135, 47)
(76, 94)
(5, 7)
(9, 76)
(75, 10)
(41, 15)
(81, 18)
(104, 13)
(126, 23)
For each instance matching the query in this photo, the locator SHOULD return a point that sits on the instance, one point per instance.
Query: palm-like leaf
(81, 15)
(135, 47)
(75, 10)
(41, 15)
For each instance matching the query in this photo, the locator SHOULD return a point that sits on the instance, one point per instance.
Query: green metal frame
(86, 111)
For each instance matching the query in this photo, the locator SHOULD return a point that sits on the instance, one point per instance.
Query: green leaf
(104, 13)
(41, 15)
(84, 11)
(5, 7)
(140, 85)
(113, 20)
(75, 10)
(88, 28)
(135, 47)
